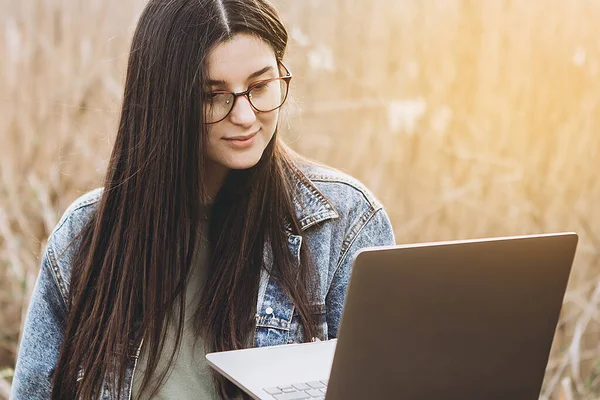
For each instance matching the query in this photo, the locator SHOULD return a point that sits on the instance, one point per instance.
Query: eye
(260, 87)
(207, 96)
(218, 98)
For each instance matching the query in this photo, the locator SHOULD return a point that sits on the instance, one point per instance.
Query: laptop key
(301, 386)
(273, 390)
(292, 396)
(314, 393)
(315, 385)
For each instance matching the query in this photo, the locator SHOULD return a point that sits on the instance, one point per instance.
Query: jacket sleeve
(42, 336)
(376, 231)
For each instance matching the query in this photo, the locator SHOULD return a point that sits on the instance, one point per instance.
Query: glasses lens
(217, 106)
(269, 95)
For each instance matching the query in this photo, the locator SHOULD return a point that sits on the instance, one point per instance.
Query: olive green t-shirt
(189, 376)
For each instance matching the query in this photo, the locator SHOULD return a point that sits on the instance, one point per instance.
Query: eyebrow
(213, 82)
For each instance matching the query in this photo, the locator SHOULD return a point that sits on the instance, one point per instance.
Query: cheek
(211, 132)
(212, 140)
(214, 133)
(269, 121)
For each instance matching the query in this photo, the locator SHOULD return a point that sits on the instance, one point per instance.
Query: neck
(215, 177)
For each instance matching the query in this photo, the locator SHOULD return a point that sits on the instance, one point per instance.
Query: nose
(242, 114)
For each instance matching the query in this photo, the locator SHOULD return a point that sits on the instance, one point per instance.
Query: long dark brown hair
(134, 256)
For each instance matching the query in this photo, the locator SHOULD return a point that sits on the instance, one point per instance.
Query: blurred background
(466, 118)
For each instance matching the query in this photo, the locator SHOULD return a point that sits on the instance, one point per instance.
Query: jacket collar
(311, 205)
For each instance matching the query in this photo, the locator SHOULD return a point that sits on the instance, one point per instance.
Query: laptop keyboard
(309, 390)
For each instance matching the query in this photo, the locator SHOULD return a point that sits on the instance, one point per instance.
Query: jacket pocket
(272, 328)
(296, 334)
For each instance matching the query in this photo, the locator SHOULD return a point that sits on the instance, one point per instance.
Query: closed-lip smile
(241, 137)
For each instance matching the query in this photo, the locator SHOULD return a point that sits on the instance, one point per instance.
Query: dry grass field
(466, 118)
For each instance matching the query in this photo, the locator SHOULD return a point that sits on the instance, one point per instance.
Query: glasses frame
(246, 93)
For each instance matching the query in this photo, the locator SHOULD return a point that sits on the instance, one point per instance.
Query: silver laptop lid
(462, 320)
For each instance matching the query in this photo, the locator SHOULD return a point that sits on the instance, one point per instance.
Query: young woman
(209, 233)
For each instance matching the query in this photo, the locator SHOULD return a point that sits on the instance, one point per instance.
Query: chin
(243, 164)
(245, 160)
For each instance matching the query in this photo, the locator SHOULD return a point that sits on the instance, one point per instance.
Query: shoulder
(356, 218)
(63, 240)
(78, 213)
(340, 207)
(343, 191)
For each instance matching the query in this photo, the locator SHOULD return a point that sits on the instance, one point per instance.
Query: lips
(241, 137)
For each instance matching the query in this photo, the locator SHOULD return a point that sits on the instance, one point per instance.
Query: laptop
(469, 319)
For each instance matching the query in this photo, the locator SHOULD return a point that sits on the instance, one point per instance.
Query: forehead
(235, 59)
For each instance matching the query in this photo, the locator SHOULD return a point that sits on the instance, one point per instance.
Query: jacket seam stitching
(314, 219)
(56, 275)
(53, 260)
(315, 193)
(373, 202)
(350, 239)
(70, 212)
(287, 333)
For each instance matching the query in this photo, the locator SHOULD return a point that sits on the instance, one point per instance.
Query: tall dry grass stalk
(466, 118)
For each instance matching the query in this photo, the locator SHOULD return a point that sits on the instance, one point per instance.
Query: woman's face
(238, 141)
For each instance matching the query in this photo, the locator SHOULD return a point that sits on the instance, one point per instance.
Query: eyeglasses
(263, 96)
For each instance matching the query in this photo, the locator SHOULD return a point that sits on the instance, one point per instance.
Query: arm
(376, 231)
(42, 336)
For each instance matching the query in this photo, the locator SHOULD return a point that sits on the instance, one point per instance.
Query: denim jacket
(337, 214)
